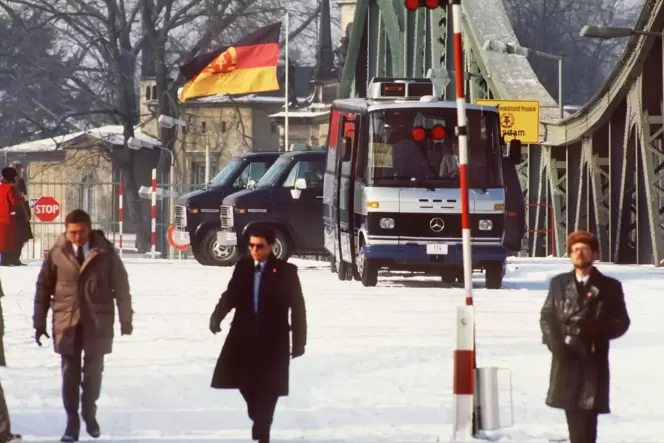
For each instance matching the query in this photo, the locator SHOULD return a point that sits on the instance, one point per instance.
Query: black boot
(92, 427)
(72, 430)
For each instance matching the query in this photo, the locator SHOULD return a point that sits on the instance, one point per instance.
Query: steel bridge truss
(396, 42)
(611, 183)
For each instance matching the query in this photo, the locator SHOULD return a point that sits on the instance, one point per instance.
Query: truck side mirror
(251, 184)
(298, 187)
(300, 184)
(515, 151)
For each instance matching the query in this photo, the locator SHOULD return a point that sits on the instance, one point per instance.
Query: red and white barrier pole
(464, 355)
(154, 214)
(120, 216)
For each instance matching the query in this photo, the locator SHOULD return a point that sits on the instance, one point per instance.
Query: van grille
(226, 216)
(180, 217)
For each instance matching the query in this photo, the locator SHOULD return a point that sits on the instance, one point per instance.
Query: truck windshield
(275, 172)
(226, 173)
(419, 147)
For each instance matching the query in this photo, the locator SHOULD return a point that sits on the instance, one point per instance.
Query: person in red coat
(10, 201)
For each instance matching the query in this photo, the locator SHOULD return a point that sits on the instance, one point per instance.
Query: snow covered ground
(378, 365)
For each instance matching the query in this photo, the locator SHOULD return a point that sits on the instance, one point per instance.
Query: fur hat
(587, 238)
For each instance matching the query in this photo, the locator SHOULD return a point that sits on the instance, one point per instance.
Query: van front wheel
(366, 268)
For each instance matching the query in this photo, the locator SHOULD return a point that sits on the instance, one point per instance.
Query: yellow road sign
(519, 119)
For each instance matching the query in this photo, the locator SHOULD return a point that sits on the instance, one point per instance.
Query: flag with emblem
(246, 67)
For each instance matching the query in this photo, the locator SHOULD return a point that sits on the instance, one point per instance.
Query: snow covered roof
(113, 134)
(301, 114)
(312, 111)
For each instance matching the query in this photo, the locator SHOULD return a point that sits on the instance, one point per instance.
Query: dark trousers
(76, 376)
(5, 425)
(260, 408)
(582, 425)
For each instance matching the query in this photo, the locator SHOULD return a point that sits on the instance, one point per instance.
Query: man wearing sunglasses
(255, 357)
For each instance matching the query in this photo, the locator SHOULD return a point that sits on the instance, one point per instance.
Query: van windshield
(272, 176)
(226, 173)
(419, 147)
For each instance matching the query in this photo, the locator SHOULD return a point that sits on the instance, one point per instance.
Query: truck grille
(418, 225)
(180, 217)
(226, 216)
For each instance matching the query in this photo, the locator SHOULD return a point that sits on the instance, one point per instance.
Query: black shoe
(254, 432)
(72, 430)
(13, 438)
(92, 428)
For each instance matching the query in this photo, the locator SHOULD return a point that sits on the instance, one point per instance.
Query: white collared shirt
(582, 280)
(86, 249)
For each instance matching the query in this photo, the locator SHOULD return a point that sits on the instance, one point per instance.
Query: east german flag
(246, 67)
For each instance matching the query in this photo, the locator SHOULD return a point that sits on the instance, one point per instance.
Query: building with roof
(76, 170)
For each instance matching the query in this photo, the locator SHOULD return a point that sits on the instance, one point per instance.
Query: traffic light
(431, 4)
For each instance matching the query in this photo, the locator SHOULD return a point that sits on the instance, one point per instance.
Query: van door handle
(319, 196)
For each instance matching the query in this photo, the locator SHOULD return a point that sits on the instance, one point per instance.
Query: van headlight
(485, 225)
(387, 223)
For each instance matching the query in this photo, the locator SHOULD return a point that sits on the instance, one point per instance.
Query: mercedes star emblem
(436, 224)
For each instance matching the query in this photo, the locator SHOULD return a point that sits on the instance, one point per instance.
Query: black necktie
(258, 267)
(79, 255)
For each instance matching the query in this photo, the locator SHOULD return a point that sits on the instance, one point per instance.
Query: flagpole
(286, 85)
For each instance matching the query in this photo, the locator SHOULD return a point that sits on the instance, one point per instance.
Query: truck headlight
(387, 223)
(485, 225)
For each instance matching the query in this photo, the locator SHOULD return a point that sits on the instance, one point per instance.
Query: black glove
(298, 351)
(215, 324)
(39, 332)
(126, 328)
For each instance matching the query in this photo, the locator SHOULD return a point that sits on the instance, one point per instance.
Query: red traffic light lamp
(431, 4)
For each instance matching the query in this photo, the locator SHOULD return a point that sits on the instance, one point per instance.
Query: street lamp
(507, 48)
(137, 144)
(168, 122)
(609, 32)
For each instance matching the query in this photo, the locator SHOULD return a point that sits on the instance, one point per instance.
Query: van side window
(254, 171)
(312, 172)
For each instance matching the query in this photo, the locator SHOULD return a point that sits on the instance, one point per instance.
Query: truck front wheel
(199, 254)
(493, 274)
(281, 248)
(217, 254)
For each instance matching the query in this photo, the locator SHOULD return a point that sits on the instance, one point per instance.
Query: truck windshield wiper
(394, 177)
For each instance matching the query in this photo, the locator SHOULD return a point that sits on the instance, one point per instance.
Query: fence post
(120, 216)
(154, 213)
(3, 361)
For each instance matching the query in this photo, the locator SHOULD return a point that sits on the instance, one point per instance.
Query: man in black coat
(583, 311)
(256, 355)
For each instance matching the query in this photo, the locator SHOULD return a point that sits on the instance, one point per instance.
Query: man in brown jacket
(81, 278)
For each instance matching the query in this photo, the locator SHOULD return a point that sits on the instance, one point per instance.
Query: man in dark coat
(583, 311)
(256, 355)
(81, 280)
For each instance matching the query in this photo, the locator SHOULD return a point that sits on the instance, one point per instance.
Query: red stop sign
(47, 209)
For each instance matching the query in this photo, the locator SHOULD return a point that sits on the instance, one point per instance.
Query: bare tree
(553, 26)
(105, 39)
